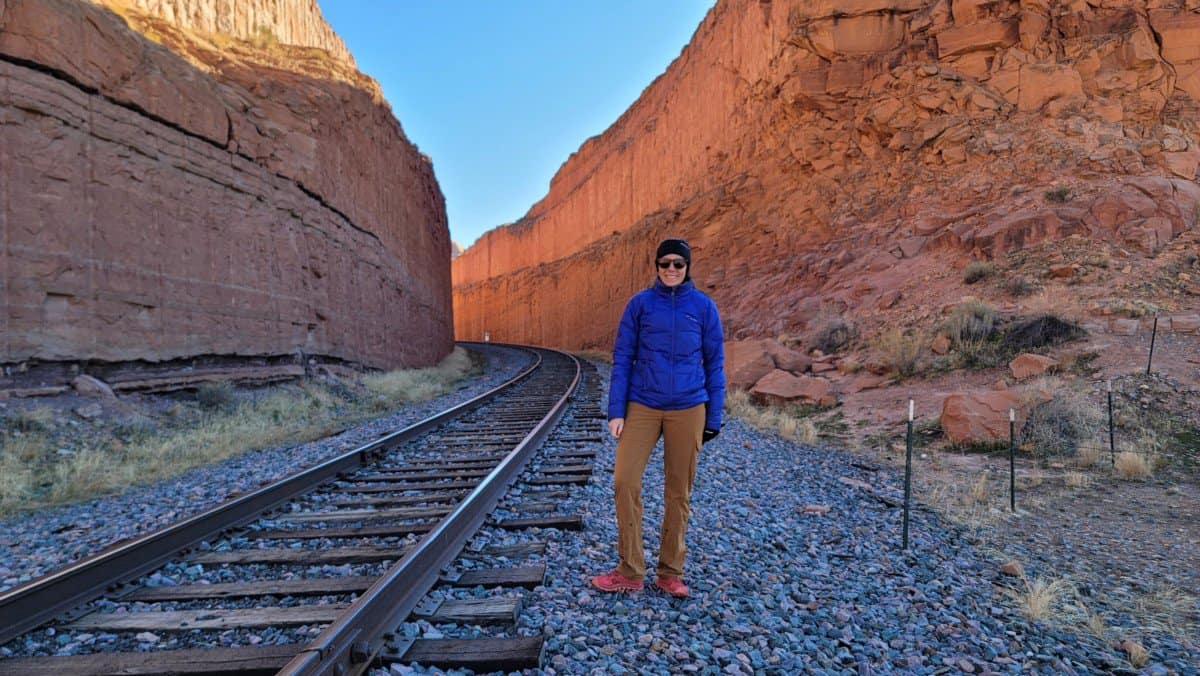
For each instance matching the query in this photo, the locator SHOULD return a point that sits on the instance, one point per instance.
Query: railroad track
(338, 561)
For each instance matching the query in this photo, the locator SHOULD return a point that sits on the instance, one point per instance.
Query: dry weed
(980, 491)
(1077, 480)
(1170, 610)
(1062, 425)
(1133, 466)
(901, 352)
(799, 429)
(1088, 456)
(1138, 655)
(1039, 597)
(410, 385)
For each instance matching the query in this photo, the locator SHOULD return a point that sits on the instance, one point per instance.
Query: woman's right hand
(615, 426)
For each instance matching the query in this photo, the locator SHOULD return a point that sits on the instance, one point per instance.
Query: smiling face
(675, 271)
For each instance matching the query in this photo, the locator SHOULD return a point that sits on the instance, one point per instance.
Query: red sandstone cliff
(191, 194)
(850, 156)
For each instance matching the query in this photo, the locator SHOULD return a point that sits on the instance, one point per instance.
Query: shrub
(1019, 286)
(216, 396)
(971, 320)
(1058, 194)
(1076, 480)
(1131, 465)
(831, 334)
(900, 352)
(29, 420)
(1063, 424)
(1041, 331)
(977, 271)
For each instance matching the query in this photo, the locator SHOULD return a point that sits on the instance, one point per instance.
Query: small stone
(1013, 569)
(147, 637)
(90, 412)
(88, 386)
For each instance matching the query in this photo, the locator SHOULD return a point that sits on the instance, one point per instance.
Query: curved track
(437, 480)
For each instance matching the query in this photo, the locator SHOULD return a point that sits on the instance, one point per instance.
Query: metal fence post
(908, 470)
(1153, 335)
(1012, 460)
(1112, 444)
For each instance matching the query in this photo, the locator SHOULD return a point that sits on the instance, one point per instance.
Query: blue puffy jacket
(669, 353)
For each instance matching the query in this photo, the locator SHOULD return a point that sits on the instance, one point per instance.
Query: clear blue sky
(500, 92)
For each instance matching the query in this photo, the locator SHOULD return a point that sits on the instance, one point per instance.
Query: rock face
(289, 22)
(162, 203)
(838, 157)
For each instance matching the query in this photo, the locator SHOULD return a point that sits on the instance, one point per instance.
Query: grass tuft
(977, 271)
(787, 423)
(1133, 466)
(901, 353)
(1039, 597)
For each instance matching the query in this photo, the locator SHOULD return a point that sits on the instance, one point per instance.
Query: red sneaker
(615, 582)
(673, 586)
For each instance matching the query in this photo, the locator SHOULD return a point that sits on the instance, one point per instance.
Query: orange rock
(981, 416)
(1062, 270)
(1013, 569)
(747, 361)
(940, 345)
(1029, 365)
(782, 386)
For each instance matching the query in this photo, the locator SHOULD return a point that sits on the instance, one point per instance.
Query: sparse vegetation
(1038, 598)
(1063, 424)
(1058, 194)
(831, 333)
(788, 423)
(1133, 465)
(977, 271)
(35, 473)
(901, 352)
(1019, 286)
(971, 321)
(214, 397)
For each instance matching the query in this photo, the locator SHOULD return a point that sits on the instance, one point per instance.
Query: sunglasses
(678, 265)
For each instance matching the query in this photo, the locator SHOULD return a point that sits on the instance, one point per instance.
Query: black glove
(709, 435)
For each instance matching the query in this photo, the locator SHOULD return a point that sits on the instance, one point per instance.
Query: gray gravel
(779, 591)
(38, 543)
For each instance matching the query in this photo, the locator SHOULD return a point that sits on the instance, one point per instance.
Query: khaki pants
(682, 433)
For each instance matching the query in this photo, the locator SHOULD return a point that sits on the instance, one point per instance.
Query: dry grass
(977, 271)
(1138, 655)
(901, 352)
(1039, 598)
(1087, 457)
(1133, 466)
(1077, 480)
(980, 490)
(35, 474)
(784, 423)
(1063, 425)
(1170, 610)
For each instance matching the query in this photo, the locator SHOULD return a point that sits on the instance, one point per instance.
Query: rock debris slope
(839, 157)
(170, 190)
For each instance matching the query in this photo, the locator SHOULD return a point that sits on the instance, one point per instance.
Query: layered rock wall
(290, 22)
(152, 209)
(837, 157)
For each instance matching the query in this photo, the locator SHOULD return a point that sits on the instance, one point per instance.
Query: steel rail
(27, 606)
(349, 644)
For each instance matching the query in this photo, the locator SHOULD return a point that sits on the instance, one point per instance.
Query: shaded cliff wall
(807, 148)
(156, 208)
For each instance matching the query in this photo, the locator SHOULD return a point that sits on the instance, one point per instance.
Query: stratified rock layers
(826, 156)
(150, 210)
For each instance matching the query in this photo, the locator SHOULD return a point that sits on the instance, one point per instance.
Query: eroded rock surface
(207, 199)
(850, 157)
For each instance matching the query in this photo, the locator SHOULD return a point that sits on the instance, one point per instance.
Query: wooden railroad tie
(337, 555)
(252, 661)
(478, 654)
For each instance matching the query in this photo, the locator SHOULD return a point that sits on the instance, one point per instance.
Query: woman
(668, 380)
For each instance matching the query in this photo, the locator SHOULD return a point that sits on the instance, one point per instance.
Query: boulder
(1030, 365)
(980, 416)
(747, 361)
(940, 345)
(779, 385)
(788, 359)
(92, 387)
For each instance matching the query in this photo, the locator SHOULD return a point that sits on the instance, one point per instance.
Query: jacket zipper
(673, 317)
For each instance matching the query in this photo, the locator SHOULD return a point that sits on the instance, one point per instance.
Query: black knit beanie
(678, 247)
